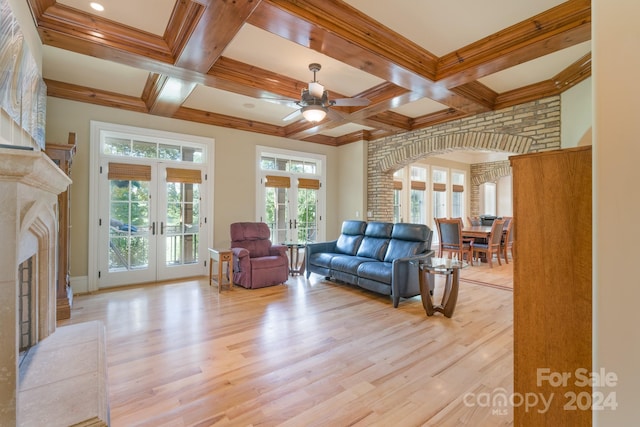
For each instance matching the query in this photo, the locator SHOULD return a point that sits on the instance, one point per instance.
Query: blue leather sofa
(379, 256)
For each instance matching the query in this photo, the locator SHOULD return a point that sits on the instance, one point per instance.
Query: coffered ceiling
(218, 62)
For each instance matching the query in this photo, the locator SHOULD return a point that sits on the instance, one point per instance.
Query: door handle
(153, 228)
(295, 223)
(161, 227)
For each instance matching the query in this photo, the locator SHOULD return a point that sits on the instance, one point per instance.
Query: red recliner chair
(257, 263)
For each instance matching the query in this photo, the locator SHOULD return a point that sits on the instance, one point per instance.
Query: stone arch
(418, 149)
(524, 128)
(504, 169)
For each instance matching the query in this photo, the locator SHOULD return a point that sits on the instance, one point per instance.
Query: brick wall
(524, 128)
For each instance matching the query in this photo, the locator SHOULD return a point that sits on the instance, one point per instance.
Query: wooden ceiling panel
(191, 53)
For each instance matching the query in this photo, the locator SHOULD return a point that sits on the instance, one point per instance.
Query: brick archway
(524, 128)
(504, 169)
(516, 144)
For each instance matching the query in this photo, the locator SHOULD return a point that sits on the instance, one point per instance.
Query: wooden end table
(295, 266)
(221, 256)
(450, 268)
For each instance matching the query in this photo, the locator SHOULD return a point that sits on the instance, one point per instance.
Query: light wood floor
(307, 353)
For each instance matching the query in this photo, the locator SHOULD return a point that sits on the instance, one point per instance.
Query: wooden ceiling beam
(222, 120)
(563, 26)
(164, 95)
(567, 78)
(94, 96)
(339, 31)
(216, 27)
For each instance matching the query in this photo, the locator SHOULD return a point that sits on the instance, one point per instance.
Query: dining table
(477, 231)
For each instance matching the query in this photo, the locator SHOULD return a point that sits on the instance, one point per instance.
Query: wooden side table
(295, 266)
(448, 267)
(221, 256)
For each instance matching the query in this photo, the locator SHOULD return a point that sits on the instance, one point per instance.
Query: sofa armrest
(240, 259)
(278, 250)
(405, 280)
(316, 248)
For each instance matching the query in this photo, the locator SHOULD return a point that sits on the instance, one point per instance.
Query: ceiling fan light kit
(314, 113)
(314, 101)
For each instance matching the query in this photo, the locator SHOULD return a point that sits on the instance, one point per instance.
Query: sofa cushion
(350, 237)
(378, 271)
(348, 264)
(268, 262)
(407, 240)
(375, 241)
(412, 232)
(402, 249)
(321, 259)
(253, 236)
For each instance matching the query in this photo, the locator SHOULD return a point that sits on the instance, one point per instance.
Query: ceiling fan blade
(287, 102)
(316, 89)
(334, 115)
(350, 102)
(291, 116)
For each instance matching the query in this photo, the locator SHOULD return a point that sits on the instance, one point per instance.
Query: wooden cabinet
(62, 155)
(552, 285)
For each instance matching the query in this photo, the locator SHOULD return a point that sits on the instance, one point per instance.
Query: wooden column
(62, 155)
(552, 287)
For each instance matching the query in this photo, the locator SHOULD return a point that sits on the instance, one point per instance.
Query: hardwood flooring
(307, 353)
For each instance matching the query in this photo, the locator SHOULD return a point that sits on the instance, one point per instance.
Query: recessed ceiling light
(96, 6)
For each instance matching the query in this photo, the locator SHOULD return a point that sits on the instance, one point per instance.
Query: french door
(290, 208)
(150, 221)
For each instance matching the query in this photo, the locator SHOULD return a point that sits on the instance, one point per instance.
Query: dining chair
(493, 243)
(507, 239)
(451, 240)
(474, 220)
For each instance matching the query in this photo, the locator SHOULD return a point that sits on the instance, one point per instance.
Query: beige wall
(234, 171)
(352, 187)
(616, 143)
(576, 106)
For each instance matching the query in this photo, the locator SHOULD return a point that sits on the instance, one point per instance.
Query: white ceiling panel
(270, 52)
(420, 108)
(70, 67)
(441, 27)
(231, 104)
(344, 129)
(151, 16)
(535, 71)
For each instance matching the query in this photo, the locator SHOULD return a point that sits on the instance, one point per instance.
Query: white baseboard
(79, 284)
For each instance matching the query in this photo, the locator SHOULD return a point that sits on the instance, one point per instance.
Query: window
(291, 195)
(457, 194)
(136, 146)
(488, 198)
(397, 195)
(418, 194)
(439, 178)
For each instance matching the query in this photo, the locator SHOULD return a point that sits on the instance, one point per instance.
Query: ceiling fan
(314, 101)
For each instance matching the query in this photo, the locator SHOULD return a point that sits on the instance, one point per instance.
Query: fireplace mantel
(29, 186)
(32, 168)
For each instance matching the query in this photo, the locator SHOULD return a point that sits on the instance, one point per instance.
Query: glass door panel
(277, 214)
(180, 225)
(128, 245)
(146, 242)
(306, 224)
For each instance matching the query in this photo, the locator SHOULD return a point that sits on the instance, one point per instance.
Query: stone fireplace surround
(48, 387)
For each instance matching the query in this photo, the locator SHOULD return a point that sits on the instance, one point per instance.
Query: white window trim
(95, 154)
(296, 155)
